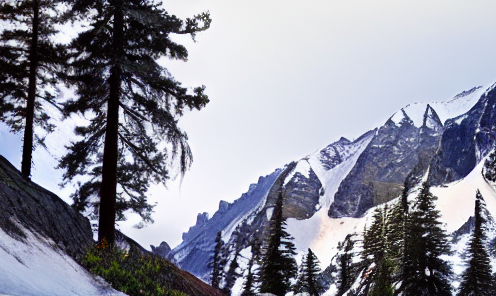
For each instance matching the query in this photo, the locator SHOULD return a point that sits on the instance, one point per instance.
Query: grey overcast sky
(286, 78)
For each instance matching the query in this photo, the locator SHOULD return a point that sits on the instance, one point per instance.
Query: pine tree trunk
(27, 149)
(106, 229)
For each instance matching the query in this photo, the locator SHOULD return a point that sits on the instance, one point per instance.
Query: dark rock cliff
(381, 169)
(24, 202)
(476, 130)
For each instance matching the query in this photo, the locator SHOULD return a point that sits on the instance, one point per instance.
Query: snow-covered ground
(35, 266)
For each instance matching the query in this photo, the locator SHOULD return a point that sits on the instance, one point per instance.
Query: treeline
(403, 252)
(130, 103)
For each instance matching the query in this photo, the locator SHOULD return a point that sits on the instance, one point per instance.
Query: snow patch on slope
(460, 104)
(454, 107)
(330, 179)
(456, 201)
(302, 167)
(36, 267)
(321, 233)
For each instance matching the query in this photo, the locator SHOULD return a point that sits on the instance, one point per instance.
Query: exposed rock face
(331, 156)
(381, 169)
(201, 219)
(301, 193)
(466, 139)
(40, 211)
(163, 250)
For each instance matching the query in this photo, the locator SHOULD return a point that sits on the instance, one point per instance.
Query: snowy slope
(457, 200)
(452, 108)
(35, 267)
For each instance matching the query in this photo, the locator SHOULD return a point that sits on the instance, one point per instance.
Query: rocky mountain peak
(431, 120)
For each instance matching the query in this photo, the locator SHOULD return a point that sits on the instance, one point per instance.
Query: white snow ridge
(35, 267)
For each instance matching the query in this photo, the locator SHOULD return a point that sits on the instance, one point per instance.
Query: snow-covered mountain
(332, 192)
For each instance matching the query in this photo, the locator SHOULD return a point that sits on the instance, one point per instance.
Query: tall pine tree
(29, 61)
(279, 265)
(132, 103)
(477, 278)
(424, 272)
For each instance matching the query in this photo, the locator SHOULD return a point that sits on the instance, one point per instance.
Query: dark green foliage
(346, 268)
(279, 265)
(376, 255)
(423, 270)
(307, 279)
(218, 262)
(132, 273)
(477, 278)
(132, 105)
(29, 61)
(383, 284)
(490, 167)
(232, 274)
(249, 286)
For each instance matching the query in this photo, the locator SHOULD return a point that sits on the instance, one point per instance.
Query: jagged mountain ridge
(326, 190)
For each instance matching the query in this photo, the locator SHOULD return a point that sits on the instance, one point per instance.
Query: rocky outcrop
(41, 211)
(301, 194)
(476, 130)
(163, 250)
(380, 171)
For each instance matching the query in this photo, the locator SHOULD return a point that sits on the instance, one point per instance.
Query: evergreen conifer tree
(424, 272)
(345, 265)
(376, 255)
(477, 278)
(217, 263)
(249, 286)
(29, 61)
(279, 265)
(395, 232)
(490, 167)
(232, 274)
(132, 103)
(307, 278)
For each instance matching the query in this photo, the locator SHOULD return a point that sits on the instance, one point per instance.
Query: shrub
(131, 272)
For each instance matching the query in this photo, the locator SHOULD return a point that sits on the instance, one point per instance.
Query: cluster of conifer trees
(131, 104)
(272, 267)
(404, 253)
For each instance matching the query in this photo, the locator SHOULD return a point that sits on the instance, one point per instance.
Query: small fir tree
(279, 265)
(490, 167)
(29, 62)
(424, 272)
(232, 274)
(477, 278)
(307, 279)
(217, 263)
(249, 286)
(345, 265)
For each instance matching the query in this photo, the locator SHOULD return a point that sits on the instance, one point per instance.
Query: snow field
(35, 267)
